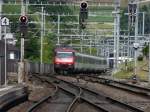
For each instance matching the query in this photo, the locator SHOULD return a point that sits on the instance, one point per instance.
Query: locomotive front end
(64, 61)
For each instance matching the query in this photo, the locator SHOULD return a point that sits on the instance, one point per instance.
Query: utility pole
(90, 46)
(42, 34)
(143, 23)
(22, 39)
(81, 42)
(22, 49)
(136, 34)
(0, 39)
(0, 19)
(5, 31)
(133, 12)
(22, 8)
(116, 33)
(27, 3)
(149, 63)
(44, 23)
(58, 30)
(23, 33)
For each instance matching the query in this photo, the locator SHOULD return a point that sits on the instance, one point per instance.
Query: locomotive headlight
(57, 63)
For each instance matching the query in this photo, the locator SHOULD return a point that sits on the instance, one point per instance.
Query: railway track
(100, 101)
(145, 92)
(129, 95)
(66, 98)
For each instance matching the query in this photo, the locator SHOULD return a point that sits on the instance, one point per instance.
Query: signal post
(83, 16)
(23, 33)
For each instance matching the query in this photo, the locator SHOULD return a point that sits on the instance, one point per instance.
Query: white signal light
(23, 19)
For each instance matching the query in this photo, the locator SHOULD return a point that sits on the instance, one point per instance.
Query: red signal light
(23, 19)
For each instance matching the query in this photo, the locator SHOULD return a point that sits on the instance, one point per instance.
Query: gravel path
(37, 90)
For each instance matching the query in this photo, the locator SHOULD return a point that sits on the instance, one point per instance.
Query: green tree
(147, 19)
(146, 50)
(48, 47)
(124, 21)
(32, 49)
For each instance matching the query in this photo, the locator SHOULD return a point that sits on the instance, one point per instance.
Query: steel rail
(79, 96)
(120, 85)
(115, 102)
(109, 100)
(71, 106)
(31, 109)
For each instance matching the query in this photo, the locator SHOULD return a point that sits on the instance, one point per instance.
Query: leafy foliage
(48, 48)
(124, 25)
(32, 49)
(140, 58)
(146, 8)
(124, 21)
(146, 50)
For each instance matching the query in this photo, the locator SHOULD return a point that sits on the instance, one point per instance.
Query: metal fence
(30, 67)
(12, 66)
(34, 68)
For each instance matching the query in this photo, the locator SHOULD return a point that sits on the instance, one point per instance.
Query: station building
(13, 55)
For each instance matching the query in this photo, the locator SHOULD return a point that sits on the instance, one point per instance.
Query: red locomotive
(69, 60)
(64, 59)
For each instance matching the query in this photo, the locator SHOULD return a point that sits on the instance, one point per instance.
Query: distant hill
(123, 2)
(78, 1)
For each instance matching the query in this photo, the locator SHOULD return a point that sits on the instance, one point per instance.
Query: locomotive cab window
(64, 54)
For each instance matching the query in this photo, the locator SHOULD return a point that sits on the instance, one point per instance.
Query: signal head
(83, 5)
(23, 19)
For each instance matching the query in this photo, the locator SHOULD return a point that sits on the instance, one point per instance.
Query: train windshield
(64, 54)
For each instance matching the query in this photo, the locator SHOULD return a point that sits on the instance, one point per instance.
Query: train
(70, 61)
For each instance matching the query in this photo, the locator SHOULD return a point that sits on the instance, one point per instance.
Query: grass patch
(100, 26)
(100, 19)
(127, 74)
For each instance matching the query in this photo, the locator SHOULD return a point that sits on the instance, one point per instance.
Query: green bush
(130, 69)
(140, 58)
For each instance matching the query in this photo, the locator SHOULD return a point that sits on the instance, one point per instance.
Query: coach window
(92, 61)
(84, 59)
(105, 62)
(80, 59)
(100, 61)
(96, 62)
